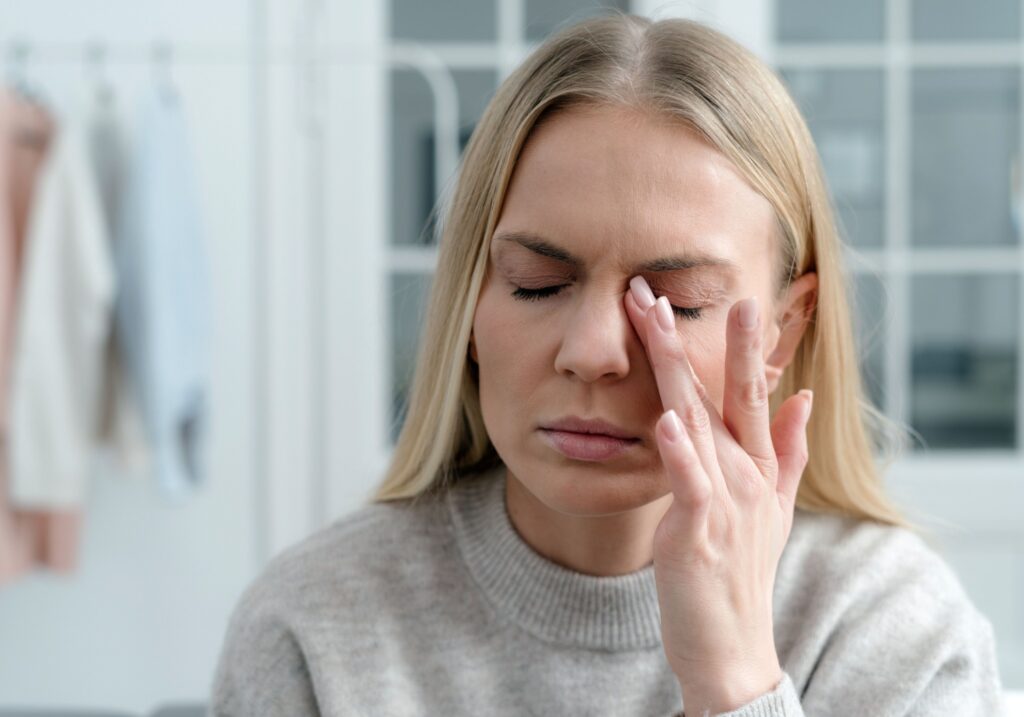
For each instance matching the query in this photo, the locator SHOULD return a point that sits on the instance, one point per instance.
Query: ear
(797, 309)
(472, 348)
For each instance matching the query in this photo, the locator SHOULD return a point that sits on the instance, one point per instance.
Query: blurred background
(319, 136)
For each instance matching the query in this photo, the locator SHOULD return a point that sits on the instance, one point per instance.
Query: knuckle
(768, 466)
(702, 393)
(755, 394)
(696, 418)
(698, 496)
(754, 341)
(749, 488)
(673, 354)
(661, 361)
(802, 456)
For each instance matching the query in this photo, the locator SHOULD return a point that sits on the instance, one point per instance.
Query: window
(915, 108)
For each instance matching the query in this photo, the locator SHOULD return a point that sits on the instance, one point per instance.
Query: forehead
(614, 185)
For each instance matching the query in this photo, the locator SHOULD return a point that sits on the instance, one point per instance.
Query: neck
(599, 545)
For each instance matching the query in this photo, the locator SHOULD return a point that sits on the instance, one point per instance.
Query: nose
(597, 338)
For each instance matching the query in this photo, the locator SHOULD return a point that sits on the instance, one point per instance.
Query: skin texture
(617, 188)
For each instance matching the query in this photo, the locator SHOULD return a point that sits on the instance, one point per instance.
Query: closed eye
(537, 294)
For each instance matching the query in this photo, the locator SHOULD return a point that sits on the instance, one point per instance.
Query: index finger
(678, 385)
(637, 312)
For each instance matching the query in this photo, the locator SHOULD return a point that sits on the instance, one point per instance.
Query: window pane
(831, 20)
(545, 16)
(845, 110)
(870, 307)
(409, 293)
(938, 20)
(965, 341)
(993, 574)
(444, 20)
(413, 190)
(965, 124)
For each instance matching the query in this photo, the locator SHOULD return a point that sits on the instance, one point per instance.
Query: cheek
(510, 368)
(507, 348)
(496, 327)
(707, 357)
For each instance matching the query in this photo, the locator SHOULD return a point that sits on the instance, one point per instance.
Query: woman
(640, 234)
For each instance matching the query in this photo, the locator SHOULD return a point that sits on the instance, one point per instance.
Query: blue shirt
(162, 302)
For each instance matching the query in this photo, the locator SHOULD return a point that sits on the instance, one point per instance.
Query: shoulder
(872, 617)
(876, 581)
(867, 557)
(374, 546)
(317, 589)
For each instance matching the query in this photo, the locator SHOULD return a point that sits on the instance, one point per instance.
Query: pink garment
(27, 537)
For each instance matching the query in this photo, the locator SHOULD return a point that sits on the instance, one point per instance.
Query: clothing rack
(21, 53)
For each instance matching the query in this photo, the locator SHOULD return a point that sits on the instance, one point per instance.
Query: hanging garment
(122, 434)
(162, 301)
(65, 313)
(36, 535)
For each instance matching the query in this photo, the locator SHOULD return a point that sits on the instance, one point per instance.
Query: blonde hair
(688, 71)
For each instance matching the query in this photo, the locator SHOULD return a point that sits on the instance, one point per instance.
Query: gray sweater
(436, 606)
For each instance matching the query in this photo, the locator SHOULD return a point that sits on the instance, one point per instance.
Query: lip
(587, 446)
(587, 439)
(575, 424)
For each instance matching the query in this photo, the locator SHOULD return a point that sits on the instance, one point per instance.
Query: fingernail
(808, 395)
(673, 426)
(748, 313)
(664, 312)
(642, 293)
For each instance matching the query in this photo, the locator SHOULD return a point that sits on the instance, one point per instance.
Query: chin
(590, 488)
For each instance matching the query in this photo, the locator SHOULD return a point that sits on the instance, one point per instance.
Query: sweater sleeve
(782, 701)
(967, 682)
(262, 669)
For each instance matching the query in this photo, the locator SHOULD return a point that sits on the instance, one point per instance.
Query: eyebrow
(540, 245)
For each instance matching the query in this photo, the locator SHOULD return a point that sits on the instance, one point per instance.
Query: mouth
(588, 426)
(587, 446)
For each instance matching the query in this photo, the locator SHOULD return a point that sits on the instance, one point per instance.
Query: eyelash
(536, 294)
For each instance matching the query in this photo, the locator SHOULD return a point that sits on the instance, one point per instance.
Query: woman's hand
(734, 478)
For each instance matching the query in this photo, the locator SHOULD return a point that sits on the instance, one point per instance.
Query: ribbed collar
(548, 600)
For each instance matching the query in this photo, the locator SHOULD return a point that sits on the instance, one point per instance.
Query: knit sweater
(437, 606)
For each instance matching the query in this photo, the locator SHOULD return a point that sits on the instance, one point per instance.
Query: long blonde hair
(697, 75)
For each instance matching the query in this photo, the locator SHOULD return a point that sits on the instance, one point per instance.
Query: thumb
(789, 436)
